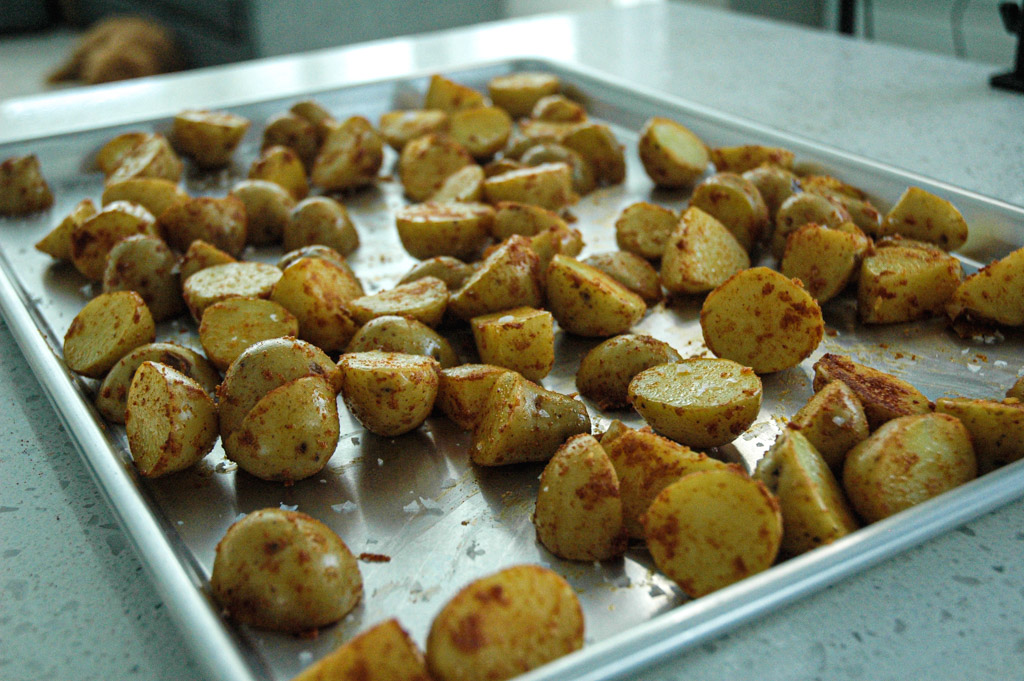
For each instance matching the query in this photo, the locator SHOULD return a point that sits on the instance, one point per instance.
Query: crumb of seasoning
(831, 332)
(374, 558)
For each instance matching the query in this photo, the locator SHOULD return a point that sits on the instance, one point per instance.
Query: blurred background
(38, 36)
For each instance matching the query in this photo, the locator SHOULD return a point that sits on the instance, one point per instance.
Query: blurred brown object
(120, 48)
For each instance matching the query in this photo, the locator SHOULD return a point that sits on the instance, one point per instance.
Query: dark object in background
(1013, 19)
(120, 48)
(26, 15)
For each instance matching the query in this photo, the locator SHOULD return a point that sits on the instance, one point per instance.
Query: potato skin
(521, 339)
(463, 391)
(219, 221)
(736, 203)
(391, 333)
(672, 155)
(901, 284)
(317, 291)
(832, 421)
(996, 428)
(146, 265)
(209, 137)
(605, 371)
(109, 326)
(883, 396)
(588, 302)
(509, 277)
(94, 238)
(382, 653)
(390, 393)
(23, 189)
(700, 254)
(57, 242)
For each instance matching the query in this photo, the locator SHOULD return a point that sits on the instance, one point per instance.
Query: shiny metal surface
(426, 520)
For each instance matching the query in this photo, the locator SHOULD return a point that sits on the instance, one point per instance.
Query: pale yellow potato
(1016, 391)
(993, 294)
(285, 571)
(320, 220)
(390, 393)
(644, 228)
(814, 509)
(427, 161)
(112, 397)
(170, 420)
(398, 128)
(597, 144)
(282, 166)
(94, 237)
(588, 302)
(521, 339)
(605, 371)
(579, 511)
(996, 428)
(424, 300)
(351, 156)
(521, 421)
(555, 241)
(152, 156)
(557, 108)
(57, 242)
(831, 185)
(501, 165)
(268, 207)
(145, 264)
(508, 278)
(110, 155)
(155, 194)
(584, 179)
(463, 391)
(901, 284)
(519, 92)
(700, 254)
(466, 184)
(531, 131)
(802, 208)
(390, 333)
(511, 217)
(448, 96)
(208, 137)
(201, 255)
(672, 155)
(452, 271)
(630, 270)
(825, 260)
(919, 214)
(520, 618)
(862, 212)
(289, 434)
(317, 292)
(740, 159)
(231, 326)
(383, 653)
(775, 185)
(483, 131)
(548, 185)
(221, 222)
(736, 203)
(264, 366)
(763, 320)
(697, 402)
(109, 326)
(712, 528)
(832, 421)
(898, 240)
(230, 280)
(906, 461)
(314, 112)
(883, 396)
(295, 132)
(316, 251)
(459, 230)
(645, 464)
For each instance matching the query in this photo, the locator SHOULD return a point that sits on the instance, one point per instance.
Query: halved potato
(110, 155)
(424, 300)
(511, 217)
(644, 228)
(57, 242)
(584, 179)
(295, 132)
(861, 211)
(740, 159)
(630, 270)
(736, 203)
(802, 208)
(775, 185)
(832, 421)
(447, 95)
(389, 393)
(555, 241)
(316, 251)
(452, 271)
(465, 184)
(672, 155)
(151, 156)
(605, 371)
(351, 156)
(825, 260)
(155, 194)
(919, 214)
(209, 137)
(700, 254)
(597, 144)
(231, 326)
(314, 112)
(996, 428)
(463, 391)
(284, 167)
(390, 333)
(231, 280)
(521, 339)
(548, 185)
(900, 284)
(557, 108)
(518, 92)
(398, 128)
(218, 221)
(317, 291)
(268, 207)
(109, 326)
(993, 294)
(588, 302)
(883, 396)
(508, 278)
(94, 237)
(427, 161)
(201, 255)
(382, 653)
(459, 230)
(483, 131)
(320, 220)
(145, 264)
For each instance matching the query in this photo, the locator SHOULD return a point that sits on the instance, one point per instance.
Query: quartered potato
(597, 144)
(746, 157)
(452, 271)
(993, 294)
(170, 420)
(521, 339)
(218, 221)
(672, 155)
(109, 326)
(201, 255)
(317, 291)
(320, 221)
(555, 241)
(94, 237)
(389, 393)
(447, 95)
(511, 217)
(698, 402)
(459, 230)
(548, 185)
(295, 132)
(825, 260)
(605, 371)
(465, 184)
(112, 397)
(155, 194)
(558, 108)
(644, 229)
(883, 396)
(113, 152)
(508, 278)
(517, 93)
(520, 618)
(282, 166)
(402, 334)
(802, 208)
(145, 264)
(427, 161)
(57, 242)
(383, 653)
(736, 203)
(522, 421)
(398, 128)
(463, 391)
(314, 112)
(700, 254)
(208, 137)
(231, 280)
(919, 214)
(588, 302)
(424, 300)
(483, 131)
(832, 421)
(289, 434)
(150, 156)
(713, 528)
(584, 179)
(285, 571)
(906, 461)
(579, 510)
(762, 319)
(351, 156)
(996, 428)
(630, 270)
(231, 326)
(775, 185)
(268, 207)
(814, 510)
(900, 284)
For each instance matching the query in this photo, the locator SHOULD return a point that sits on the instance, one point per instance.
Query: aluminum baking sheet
(416, 500)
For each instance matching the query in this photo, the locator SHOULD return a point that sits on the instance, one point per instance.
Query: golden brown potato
(832, 421)
(746, 157)
(644, 228)
(282, 166)
(483, 131)
(511, 217)
(94, 237)
(449, 96)
(424, 300)
(427, 161)
(170, 420)
(221, 222)
(231, 326)
(900, 284)
(672, 155)
(155, 194)
(57, 242)
(521, 618)
(584, 180)
(996, 428)
(862, 212)
(825, 260)
(521, 339)
(993, 294)
(630, 270)
(268, 207)
(588, 302)
(317, 291)
(556, 108)
(919, 214)
(700, 254)
(459, 230)
(109, 326)
(383, 653)
(519, 92)
(465, 184)
(295, 132)
(802, 208)
(152, 156)
(452, 271)
(555, 241)
(389, 393)
(320, 220)
(286, 571)
(110, 155)
(315, 251)
(712, 528)
(209, 137)
(145, 264)
(231, 280)
(201, 255)
(351, 156)
(597, 144)
(775, 185)
(605, 371)
(316, 114)
(398, 128)
(508, 278)
(906, 461)
(883, 396)
(736, 203)
(463, 391)
(402, 334)
(548, 185)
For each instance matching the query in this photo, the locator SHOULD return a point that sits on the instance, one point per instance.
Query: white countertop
(74, 600)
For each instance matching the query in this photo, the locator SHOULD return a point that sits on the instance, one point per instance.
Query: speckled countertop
(74, 600)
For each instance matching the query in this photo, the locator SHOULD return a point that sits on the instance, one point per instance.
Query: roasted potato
(483, 131)
(317, 291)
(398, 128)
(736, 203)
(588, 302)
(521, 339)
(900, 284)
(517, 93)
(320, 220)
(465, 184)
(390, 333)
(825, 260)
(427, 161)
(555, 241)
(996, 428)
(109, 326)
(526, 219)
(862, 212)
(630, 270)
(548, 185)
(208, 137)
(282, 166)
(832, 421)
(919, 214)
(463, 391)
(605, 371)
(315, 251)
(993, 294)
(746, 157)
(94, 237)
(314, 112)
(229, 327)
(155, 194)
(802, 208)
(221, 222)
(268, 207)
(57, 242)
(672, 155)
(113, 152)
(231, 280)
(700, 254)
(644, 229)
(351, 156)
(508, 278)
(557, 108)
(151, 156)
(452, 271)
(295, 132)
(145, 264)
(775, 185)
(201, 255)
(447, 95)
(389, 393)
(382, 653)
(584, 179)
(883, 396)
(424, 300)
(597, 144)
(458, 230)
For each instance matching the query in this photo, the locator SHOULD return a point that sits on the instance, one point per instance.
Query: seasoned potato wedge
(906, 461)
(555, 241)
(558, 108)
(597, 144)
(712, 528)
(832, 421)
(775, 185)
(290, 130)
(402, 334)
(521, 339)
(588, 302)
(145, 264)
(762, 319)
(282, 166)
(452, 271)
(802, 208)
(548, 185)
(919, 214)
(231, 326)
(109, 326)
(463, 391)
(900, 284)
(427, 161)
(316, 251)
(698, 402)
(483, 131)
(286, 571)
(389, 393)
(518, 92)
(584, 179)
(700, 254)
(398, 128)
(644, 228)
(746, 157)
(522, 422)
(351, 156)
(268, 207)
(152, 156)
(382, 653)
(320, 220)
(672, 155)
(579, 510)
(170, 420)
(155, 194)
(824, 259)
(736, 203)
(465, 184)
(93, 238)
(630, 270)
(996, 428)
(424, 300)
(231, 280)
(883, 396)
(862, 212)
(605, 371)
(508, 278)
(512, 218)
(995, 293)
(314, 112)
(112, 153)
(289, 434)
(57, 242)
(201, 255)
(521, 618)
(459, 230)
(317, 291)
(814, 510)
(221, 222)
(447, 95)
(209, 137)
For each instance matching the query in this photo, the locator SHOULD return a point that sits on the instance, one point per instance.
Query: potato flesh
(382, 653)
(201, 255)
(630, 270)
(209, 137)
(424, 300)
(109, 326)
(390, 333)
(449, 96)
(351, 156)
(152, 156)
(672, 155)
(465, 185)
(519, 92)
(427, 161)
(389, 393)
(736, 203)
(645, 228)
(833, 422)
(825, 260)
(463, 391)
(548, 185)
(993, 294)
(901, 284)
(919, 214)
(230, 280)
(521, 339)
(508, 278)
(996, 428)
(231, 326)
(740, 159)
(605, 371)
(588, 302)
(803, 208)
(597, 144)
(57, 243)
(284, 167)
(452, 271)
(483, 131)
(398, 128)
(458, 230)
(883, 396)
(93, 239)
(700, 254)
(512, 218)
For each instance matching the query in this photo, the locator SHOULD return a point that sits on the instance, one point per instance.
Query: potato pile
(490, 180)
